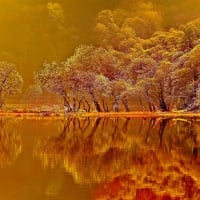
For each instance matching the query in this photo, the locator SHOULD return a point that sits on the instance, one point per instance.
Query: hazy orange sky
(33, 31)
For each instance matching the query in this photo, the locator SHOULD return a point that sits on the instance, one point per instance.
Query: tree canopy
(10, 81)
(159, 71)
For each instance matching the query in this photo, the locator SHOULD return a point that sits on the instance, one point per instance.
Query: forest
(133, 63)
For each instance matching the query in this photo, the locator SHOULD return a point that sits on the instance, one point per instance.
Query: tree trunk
(150, 107)
(105, 107)
(116, 104)
(74, 105)
(1, 104)
(125, 103)
(150, 102)
(67, 107)
(79, 105)
(88, 109)
(96, 103)
(163, 105)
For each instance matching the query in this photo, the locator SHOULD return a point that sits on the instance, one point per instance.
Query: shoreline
(134, 114)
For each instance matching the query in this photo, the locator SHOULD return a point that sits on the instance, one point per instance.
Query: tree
(10, 81)
(98, 60)
(102, 89)
(54, 77)
(193, 66)
(83, 76)
(123, 29)
(120, 90)
(164, 43)
(88, 82)
(64, 80)
(192, 34)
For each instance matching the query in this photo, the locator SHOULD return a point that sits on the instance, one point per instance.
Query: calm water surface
(90, 158)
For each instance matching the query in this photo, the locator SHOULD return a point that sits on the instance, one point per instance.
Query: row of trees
(125, 67)
(164, 75)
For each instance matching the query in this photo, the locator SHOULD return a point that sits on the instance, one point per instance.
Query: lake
(99, 158)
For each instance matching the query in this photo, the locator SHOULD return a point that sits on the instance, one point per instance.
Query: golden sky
(33, 31)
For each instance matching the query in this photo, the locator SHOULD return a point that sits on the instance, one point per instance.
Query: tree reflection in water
(91, 149)
(10, 142)
(126, 158)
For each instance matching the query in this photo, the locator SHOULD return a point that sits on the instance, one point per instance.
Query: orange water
(80, 158)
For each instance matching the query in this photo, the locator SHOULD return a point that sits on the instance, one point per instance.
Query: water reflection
(10, 142)
(91, 149)
(161, 154)
(166, 165)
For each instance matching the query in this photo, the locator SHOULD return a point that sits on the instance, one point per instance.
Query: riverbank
(105, 114)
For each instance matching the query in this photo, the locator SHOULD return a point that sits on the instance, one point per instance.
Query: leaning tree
(10, 81)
